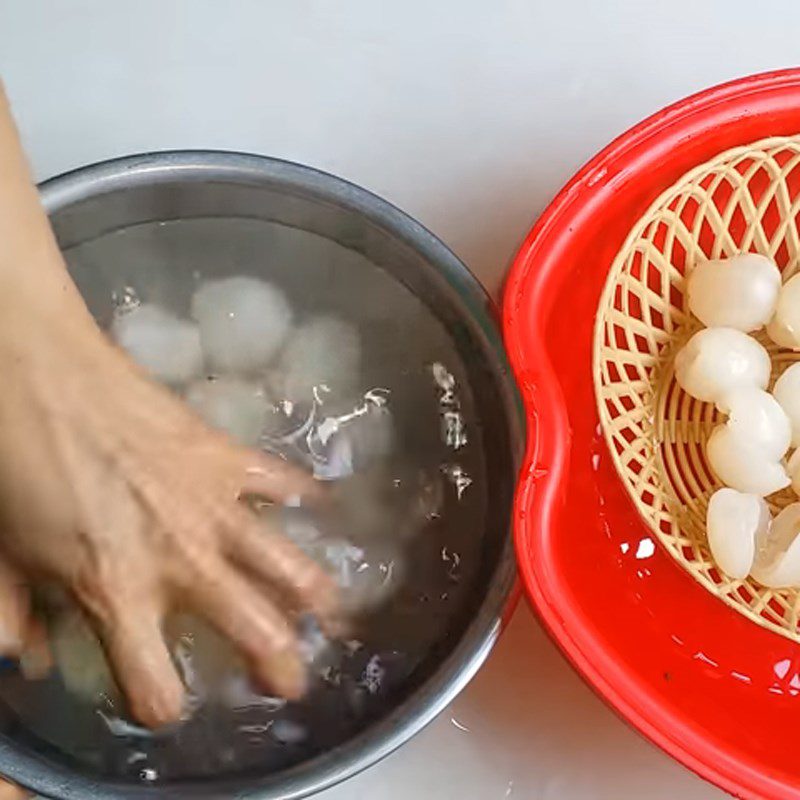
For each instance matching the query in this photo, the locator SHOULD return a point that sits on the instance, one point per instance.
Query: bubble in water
(454, 429)
(446, 382)
(124, 300)
(453, 562)
(286, 425)
(331, 675)
(353, 646)
(288, 732)
(256, 728)
(458, 477)
(373, 675)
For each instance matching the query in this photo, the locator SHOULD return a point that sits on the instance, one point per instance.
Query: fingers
(255, 626)
(268, 555)
(21, 634)
(142, 666)
(8, 791)
(272, 477)
(14, 610)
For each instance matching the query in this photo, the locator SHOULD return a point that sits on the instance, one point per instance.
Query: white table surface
(469, 115)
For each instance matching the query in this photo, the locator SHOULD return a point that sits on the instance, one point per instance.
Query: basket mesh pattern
(745, 199)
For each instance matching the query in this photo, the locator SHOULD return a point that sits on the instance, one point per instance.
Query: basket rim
(531, 287)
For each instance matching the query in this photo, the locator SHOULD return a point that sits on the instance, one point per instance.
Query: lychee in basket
(744, 199)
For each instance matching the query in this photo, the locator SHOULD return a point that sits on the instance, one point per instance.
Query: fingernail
(161, 707)
(286, 674)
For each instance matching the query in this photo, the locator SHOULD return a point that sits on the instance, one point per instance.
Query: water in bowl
(413, 500)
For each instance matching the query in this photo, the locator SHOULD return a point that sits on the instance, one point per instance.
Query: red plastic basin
(710, 687)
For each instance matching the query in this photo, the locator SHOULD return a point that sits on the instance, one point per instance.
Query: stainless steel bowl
(175, 185)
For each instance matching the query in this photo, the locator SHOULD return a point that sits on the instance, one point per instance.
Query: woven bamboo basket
(745, 199)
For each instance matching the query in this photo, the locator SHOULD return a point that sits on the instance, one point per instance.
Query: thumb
(14, 610)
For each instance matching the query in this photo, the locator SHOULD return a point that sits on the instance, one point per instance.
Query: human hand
(113, 489)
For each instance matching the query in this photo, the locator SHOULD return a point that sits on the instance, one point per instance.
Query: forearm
(35, 287)
(26, 241)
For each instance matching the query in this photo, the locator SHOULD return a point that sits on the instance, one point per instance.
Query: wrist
(43, 322)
